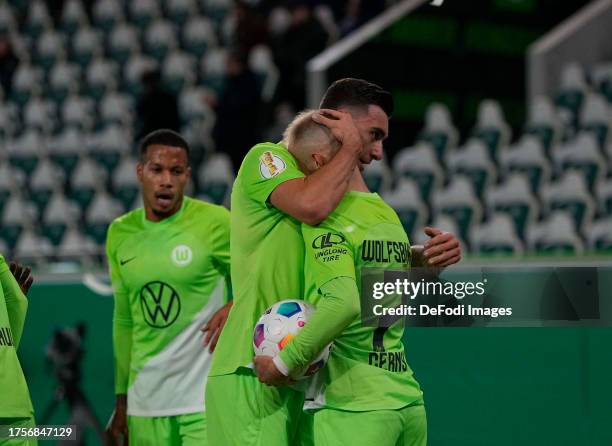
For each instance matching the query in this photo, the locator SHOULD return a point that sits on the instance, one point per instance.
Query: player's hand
(342, 127)
(117, 431)
(268, 373)
(214, 326)
(442, 249)
(23, 275)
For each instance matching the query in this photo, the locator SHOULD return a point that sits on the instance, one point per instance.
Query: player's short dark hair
(357, 92)
(163, 137)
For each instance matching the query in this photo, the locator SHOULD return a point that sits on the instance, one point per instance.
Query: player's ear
(139, 170)
(188, 172)
(318, 160)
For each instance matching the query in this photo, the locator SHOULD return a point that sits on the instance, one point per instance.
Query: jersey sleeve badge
(270, 165)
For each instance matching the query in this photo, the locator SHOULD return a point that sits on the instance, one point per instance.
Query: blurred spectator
(238, 110)
(157, 108)
(304, 39)
(357, 12)
(249, 27)
(8, 64)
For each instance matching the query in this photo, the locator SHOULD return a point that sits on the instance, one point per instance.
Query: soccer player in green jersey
(366, 394)
(168, 261)
(15, 405)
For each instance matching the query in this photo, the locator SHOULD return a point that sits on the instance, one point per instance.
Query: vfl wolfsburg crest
(160, 304)
(181, 255)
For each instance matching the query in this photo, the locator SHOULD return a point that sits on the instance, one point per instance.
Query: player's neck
(357, 183)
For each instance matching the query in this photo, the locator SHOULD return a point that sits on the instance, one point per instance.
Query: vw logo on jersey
(160, 304)
(181, 255)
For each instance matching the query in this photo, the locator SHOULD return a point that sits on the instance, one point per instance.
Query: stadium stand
(68, 126)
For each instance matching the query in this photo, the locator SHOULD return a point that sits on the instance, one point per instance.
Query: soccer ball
(279, 325)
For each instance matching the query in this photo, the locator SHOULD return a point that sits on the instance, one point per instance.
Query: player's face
(373, 126)
(163, 173)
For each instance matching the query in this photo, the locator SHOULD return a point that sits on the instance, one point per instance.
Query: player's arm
(16, 302)
(311, 199)
(338, 307)
(221, 259)
(122, 346)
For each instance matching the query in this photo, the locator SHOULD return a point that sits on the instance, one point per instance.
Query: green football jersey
(167, 280)
(267, 252)
(367, 368)
(15, 400)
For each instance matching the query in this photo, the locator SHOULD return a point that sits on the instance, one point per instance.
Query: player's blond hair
(304, 137)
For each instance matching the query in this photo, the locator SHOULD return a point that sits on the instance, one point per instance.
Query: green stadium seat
(527, 157)
(582, 154)
(216, 178)
(406, 200)
(473, 161)
(570, 194)
(458, 200)
(555, 236)
(420, 164)
(497, 236)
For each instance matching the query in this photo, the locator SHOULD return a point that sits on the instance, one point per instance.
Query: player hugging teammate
(287, 198)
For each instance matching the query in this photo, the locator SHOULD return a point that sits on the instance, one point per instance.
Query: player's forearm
(122, 345)
(16, 304)
(338, 307)
(324, 188)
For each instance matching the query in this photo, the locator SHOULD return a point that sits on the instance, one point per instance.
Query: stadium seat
(107, 145)
(599, 237)
(143, 12)
(421, 164)
(116, 107)
(63, 76)
(601, 77)
(24, 150)
(39, 113)
(31, 248)
(76, 246)
(199, 35)
(86, 43)
(216, 9)
(8, 23)
(102, 211)
(261, 63)
(65, 148)
(491, 127)
(571, 95)
(439, 130)
(197, 132)
(527, 156)
(122, 40)
(213, 68)
(555, 235)
(570, 193)
(43, 181)
(160, 39)
(406, 200)
(514, 197)
(10, 180)
(85, 180)
(378, 176)
(179, 11)
(78, 110)
(73, 16)
(604, 197)
(459, 201)
(496, 236)
(100, 73)
(136, 65)
(48, 46)
(176, 68)
(544, 123)
(25, 77)
(107, 13)
(9, 118)
(125, 183)
(58, 215)
(583, 155)
(215, 178)
(37, 19)
(596, 117)
(18, 212)
(474, 162)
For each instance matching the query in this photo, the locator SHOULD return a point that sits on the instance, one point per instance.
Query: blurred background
(501, 134)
